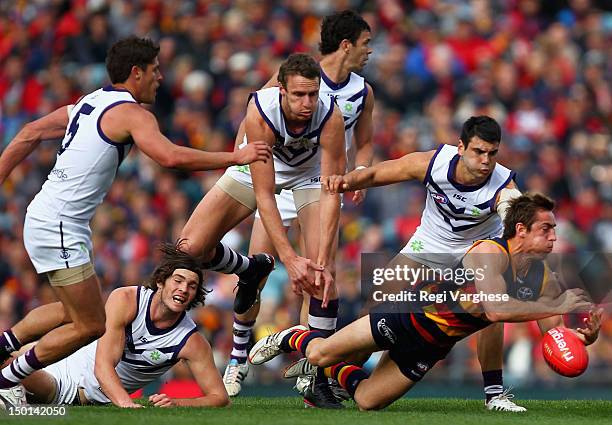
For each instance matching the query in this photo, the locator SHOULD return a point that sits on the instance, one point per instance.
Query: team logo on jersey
(348, 108)
(279, 142)
(302, 143)
(440, 198)
(417, 246)
(524, 293)
(64, 254)
(386, 331)
(155, 357)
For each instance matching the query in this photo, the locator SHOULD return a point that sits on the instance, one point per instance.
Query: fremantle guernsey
(148, 352)
(297, 157)
(455, 215)
(350, 96)
(87, 161)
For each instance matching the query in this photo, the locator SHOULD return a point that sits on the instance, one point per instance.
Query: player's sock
(322, 320)
(299, 340)
(241, 335)
(493, 383)
(8, 344)
(347, 375)
(228, 261)
(20, 368)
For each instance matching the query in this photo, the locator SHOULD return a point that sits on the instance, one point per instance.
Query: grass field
(289, 410)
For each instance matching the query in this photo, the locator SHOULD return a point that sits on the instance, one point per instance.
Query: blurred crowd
(541, 68)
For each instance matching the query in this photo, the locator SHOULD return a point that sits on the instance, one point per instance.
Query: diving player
(416, 335)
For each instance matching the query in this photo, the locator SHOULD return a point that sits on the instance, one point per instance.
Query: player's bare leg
(33, 326)
(216, 214)
(83, 304)
(385, 385)
(320, 351)
(41, 387)
(353, 339)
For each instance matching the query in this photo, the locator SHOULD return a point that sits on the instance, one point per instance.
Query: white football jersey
(456, 215)
(86, 163)
(148, 352)
(293, 153)
(350, 96)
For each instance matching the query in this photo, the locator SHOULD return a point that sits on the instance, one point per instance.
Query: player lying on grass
(416, 335)
(147, 332)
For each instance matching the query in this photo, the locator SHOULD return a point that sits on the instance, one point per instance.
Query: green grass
(289, 410)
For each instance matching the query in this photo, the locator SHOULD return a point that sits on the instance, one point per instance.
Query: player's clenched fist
(335, 184)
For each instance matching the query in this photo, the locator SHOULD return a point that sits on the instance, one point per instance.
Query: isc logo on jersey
(439, 198)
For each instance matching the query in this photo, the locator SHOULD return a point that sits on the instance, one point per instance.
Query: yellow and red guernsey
(448, 312)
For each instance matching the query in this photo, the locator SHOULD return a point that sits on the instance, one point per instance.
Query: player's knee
(368, 404)
(187, 245)
(318, 355)
(91, 330)
(95, 331)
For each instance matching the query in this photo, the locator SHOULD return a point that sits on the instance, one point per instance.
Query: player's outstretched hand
(326, 279)
(575, 299)
(254, 151)
(161, 400)
(590, 332)
(300, 273)
(335, 184)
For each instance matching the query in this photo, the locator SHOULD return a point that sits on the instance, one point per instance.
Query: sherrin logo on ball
(564, 352)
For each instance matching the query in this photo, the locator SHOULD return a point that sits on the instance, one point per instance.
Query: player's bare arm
(492, 261)
(198, 355)
(51, 126)
(132, 120)
(412, 166)
(363, 140)
(333, 161)
(264, 185)
(363, 132)
(120, 310)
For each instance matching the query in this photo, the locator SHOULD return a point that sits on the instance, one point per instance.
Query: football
(564, 352)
